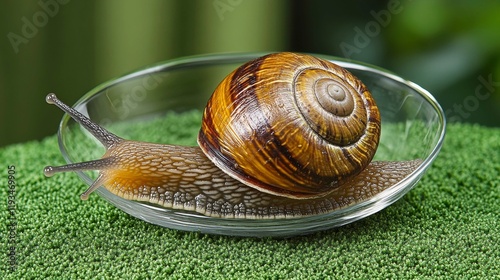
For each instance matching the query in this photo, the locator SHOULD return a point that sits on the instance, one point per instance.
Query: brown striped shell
(291, 125)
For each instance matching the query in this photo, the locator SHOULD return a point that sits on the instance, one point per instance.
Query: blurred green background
(451, 48)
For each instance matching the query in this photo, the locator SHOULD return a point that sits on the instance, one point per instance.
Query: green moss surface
(448, 226)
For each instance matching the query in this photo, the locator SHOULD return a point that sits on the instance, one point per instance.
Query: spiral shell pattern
(291, 125)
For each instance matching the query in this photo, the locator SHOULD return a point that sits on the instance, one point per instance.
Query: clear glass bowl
(413, 127)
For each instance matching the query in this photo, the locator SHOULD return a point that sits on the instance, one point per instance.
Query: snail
(286, 135)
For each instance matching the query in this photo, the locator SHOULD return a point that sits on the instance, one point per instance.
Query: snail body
(286, 135)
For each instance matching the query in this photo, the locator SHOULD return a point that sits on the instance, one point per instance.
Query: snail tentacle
(107, 138)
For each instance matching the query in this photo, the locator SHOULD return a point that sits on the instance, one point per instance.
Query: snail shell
(285, 135)
(291, 125)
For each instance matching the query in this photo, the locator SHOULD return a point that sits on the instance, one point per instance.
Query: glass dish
(413, 127)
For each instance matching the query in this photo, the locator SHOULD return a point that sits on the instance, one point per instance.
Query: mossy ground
(446, 227)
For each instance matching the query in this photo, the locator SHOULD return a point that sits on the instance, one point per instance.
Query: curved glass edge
(186, 221)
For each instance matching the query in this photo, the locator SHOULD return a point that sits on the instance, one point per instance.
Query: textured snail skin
(329, 170)
(184, 178)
